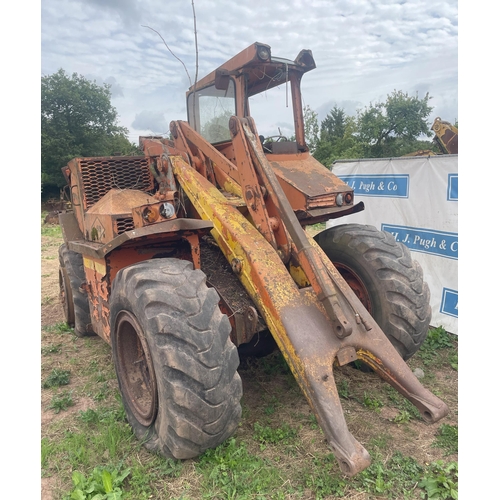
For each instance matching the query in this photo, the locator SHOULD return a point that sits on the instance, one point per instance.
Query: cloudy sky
(363, 49)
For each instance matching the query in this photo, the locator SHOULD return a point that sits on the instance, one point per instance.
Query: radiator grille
(123, 224)
(99, 175)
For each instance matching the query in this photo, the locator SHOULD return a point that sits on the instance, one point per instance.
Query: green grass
(103, 483)
(439, 348)
(278, 451)
(51, 349)
(61, 402)
(231, 471)
(56, 378)
(59, 328)
(447, 438)
(440, 481)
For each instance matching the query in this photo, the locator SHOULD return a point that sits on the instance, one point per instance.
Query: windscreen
(210, 116)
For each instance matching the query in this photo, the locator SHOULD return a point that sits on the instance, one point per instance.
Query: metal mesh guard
(99, 175)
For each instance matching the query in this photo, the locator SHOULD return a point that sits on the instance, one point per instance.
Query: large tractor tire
(175, 363)
(385, 278)
(74, 301)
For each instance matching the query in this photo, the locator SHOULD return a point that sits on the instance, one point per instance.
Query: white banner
(415, 199)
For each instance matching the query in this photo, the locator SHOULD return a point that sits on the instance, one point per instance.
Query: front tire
(74, 301)
(385, 278)
(175, 363)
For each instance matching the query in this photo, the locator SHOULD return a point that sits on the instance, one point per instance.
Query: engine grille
(123, 224)
(99, 175)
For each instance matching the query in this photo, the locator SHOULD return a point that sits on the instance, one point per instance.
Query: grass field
(278, 451)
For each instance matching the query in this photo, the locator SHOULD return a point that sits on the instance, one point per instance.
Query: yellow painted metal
(94, 265)
(263, 274)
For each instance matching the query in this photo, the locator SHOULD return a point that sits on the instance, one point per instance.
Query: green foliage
(59, 328)
(372, 402)
(267, 435)
(343, 389)
(52, 230)
(77, 119)
(393, 477)
(437, 340)
(311, 128)
(61, 402)
(51, 349)
(447, 438)
(103, 415)
(322, 480)
(392, 128)
(56, 378)
(402, 417)
(389, 128)
(145, 474)
(102, 484)
(440, 481)
(408, 411)
(230, 471)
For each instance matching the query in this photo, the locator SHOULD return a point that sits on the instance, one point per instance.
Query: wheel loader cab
(228, 91)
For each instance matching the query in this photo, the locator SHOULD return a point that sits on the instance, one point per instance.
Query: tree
(77, 120)
(394, 127)
(338, 138)
(311, 128)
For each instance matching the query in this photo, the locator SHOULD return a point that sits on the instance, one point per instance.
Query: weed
(437, 340)
(145, 474)
(440, 481)
(56, 378)
(343, 389)
(61, 402)
(266, 435)
(395, 477)
(46, 450)
(407, 409)
(51, 349)
(372, 402)
(102, 484)
(322, 481)
(453, 360)
(447, 438)
(313, 422)
(402, 417)
(59, 328)
(103, 415)
(102, 394)
(230, 471)
(380, 441)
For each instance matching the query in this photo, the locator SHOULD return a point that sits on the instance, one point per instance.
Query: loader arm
(316, 327)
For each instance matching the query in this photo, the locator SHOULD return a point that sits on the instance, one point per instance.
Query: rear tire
(385, 278)
(175, 363)
(74, 301)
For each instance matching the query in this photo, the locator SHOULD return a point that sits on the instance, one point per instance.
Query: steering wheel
(278, 137)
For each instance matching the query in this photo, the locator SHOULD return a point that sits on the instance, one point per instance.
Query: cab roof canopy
(262, 70)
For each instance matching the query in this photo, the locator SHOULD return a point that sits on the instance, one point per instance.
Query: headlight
(263, 53)
(339, 200)
(167, 210)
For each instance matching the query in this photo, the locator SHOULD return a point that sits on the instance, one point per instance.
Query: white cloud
(363, 49)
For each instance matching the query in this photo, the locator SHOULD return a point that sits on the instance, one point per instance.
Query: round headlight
(167, 210)
(150, 214)
(339, 200)
(263, 53)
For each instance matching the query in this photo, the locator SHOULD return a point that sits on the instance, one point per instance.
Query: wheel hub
(135, 369)
(356, 284)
